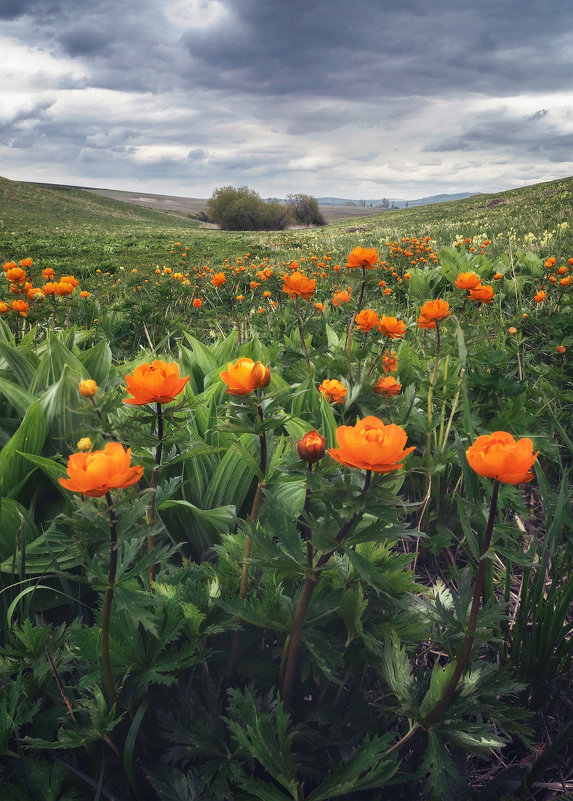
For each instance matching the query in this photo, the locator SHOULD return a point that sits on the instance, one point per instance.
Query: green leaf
(29, 438)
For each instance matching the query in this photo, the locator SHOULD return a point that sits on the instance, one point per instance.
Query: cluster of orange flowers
(21, 285)
(471, 282)
(557, 276)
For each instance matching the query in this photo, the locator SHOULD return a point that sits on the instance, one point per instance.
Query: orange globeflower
(363, 257)
(340, 297)
(84, 294)
(389, 362)
(50, 288)
(467, 281)
(96, 473)
(158, 382)
(245, 376)
(197, 303)
(392, 327)
(541, 295)
(484, 293)
(311, 447)
(298, 285)
(371, 445)
(3, 307)
(388, 386)
(501, 457)
(333, 390)
(20, 306)
(435, 310)
(48, 273)
(87, 388)
(565, 281)
(319, 307)
(16, 275)
(366, 320)
(560, 349)
(218, 279)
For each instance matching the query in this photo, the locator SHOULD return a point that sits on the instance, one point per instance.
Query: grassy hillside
(80, 230)
(42, 206)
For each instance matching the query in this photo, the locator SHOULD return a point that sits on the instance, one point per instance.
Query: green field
(335, 561)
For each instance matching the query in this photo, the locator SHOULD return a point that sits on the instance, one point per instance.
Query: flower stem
(309, 586)
(253, 517)
(153, 487)
(107, 602)
(435, 713)
(426, 515)
(353, 320)
(301, 333)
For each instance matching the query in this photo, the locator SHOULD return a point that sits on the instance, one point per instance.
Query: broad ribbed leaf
(29, 438)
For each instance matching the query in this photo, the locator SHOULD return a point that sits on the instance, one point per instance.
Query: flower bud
(84, 444)
(87, 388)
(311, 447)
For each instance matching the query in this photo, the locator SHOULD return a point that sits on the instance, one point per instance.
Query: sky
(360, 99)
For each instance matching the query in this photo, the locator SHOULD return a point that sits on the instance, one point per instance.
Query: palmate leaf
(173, 785)
(266, 738)
(365, 769)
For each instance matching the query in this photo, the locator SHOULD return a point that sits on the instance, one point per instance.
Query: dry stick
(107, 601)
(461, 663)
(153, 487)
(253, 517)
(308, 588)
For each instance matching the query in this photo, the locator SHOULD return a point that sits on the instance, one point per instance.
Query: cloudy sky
(351, 98)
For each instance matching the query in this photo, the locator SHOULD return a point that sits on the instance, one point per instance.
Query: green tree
(305, 210)
(243, 209)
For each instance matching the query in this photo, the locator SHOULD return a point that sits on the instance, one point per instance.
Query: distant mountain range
(392, 203)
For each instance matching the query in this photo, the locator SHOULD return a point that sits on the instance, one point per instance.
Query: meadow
(286, 515)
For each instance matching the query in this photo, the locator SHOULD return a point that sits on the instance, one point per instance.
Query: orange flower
(245, 376)
(498, 276)
(311, 447)
(48, 273)
(366, 320)
(500, 457)
(87, 388)
(20, 306)
(483, 293)
(16, 275)
(319, 307)
(363, 257)
(157, 382)
(371, 445)
(389, 362)
(64, 288)
(467, 281)
(565, 281)
(541, 295)
(218, 279)
(3, 307)
(340, 297)
(298, 285)
(392, 327)
(333, 390)
(26, 263)
(512, 330)
(96, 473)
(388, 386)
(432, 311)
(560, 349)
(84, 294)
(50, 288)
(197, 303)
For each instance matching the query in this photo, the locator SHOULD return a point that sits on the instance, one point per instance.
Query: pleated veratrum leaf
(6, 334)
(97, 361)
(200, 527)
(232, 478)
(16, 396)
(17, 527)
(55, 356)
(21, 363)
(49, 552)
(60, 406)
(29, 438)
